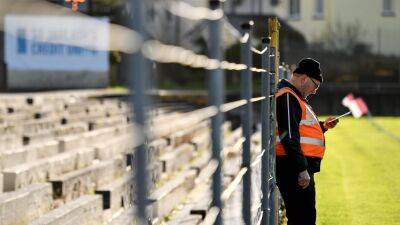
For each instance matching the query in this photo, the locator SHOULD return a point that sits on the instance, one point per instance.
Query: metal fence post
(246, 120)
(281, 72)
(273, 26)
(265, 132)
(216, 93)
(138, 85)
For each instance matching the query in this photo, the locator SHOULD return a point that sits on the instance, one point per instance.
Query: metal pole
(216, 91)
(273, 26)
(273, 194)
(246, 120)
(138, 85)
(281, 72)
(265, 132)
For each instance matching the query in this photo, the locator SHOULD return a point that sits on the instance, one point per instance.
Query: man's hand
(304, 179)
(330, 122)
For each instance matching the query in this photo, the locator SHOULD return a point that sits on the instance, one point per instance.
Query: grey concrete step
(120, 145)
(15, 117)
(194, 210)
(164, 118)
(10, 129)
(125, 217)
(41, 170)
(190, 120)
(69, 129)
(158, 147)
(186, 135)
(119, 193)
(199, 199)
(26, 204)
(34, 125)
(8, 142)
(108, 122)
(202, 141)
(86, 210)
(100, 135)
(38, 137)
(71, 142)
(177, 158)
(1, 183)
(75, 141)
(28, 153)
(154, 170)
(165, 198)
(233, 137)
(123, 111)
(74, 184)
(185, 218)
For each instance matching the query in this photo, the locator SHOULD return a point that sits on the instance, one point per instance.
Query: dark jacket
(288, 113)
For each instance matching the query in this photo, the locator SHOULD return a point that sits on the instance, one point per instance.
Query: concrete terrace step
(158, 147)
(10, 142)
(172, 193)
(199, 199)
(26, 204)
(100, 135)
(86, 210)
(125, 217)
(34, 126)
(202, 141)
(154, 171)
(107, 122)
(177, 158)
(15, 117)
(93, 113)
(90, 138)
(29, 153)
(118, 193)
(117, 146)
(43, 169)
(38, 137)
(10, 129)
(187, 135)
(194, 209)
(69, 129)
(74, 184)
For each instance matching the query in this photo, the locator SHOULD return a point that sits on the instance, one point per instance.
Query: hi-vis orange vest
(312, 139)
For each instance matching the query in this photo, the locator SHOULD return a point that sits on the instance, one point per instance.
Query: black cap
(310, 67)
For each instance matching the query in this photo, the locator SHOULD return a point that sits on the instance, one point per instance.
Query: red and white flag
(347, 100)
(357, 106)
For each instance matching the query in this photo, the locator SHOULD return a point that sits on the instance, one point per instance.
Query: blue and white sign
(58, 43)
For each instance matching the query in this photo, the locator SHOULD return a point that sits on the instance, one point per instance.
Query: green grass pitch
(359, 182)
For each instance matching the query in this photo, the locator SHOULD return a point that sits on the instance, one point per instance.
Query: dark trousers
(299, 203)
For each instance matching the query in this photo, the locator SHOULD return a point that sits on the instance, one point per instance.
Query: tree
(343, 38)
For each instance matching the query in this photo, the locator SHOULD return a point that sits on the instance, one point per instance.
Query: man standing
(300, 142)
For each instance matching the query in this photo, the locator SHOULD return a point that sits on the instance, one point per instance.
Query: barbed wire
(163, 53)
(259, 52)
(185, 10)
(226, 194)
(239, 177)
(190, 12)
(241, 38)
(257, 159)
(257, 70)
